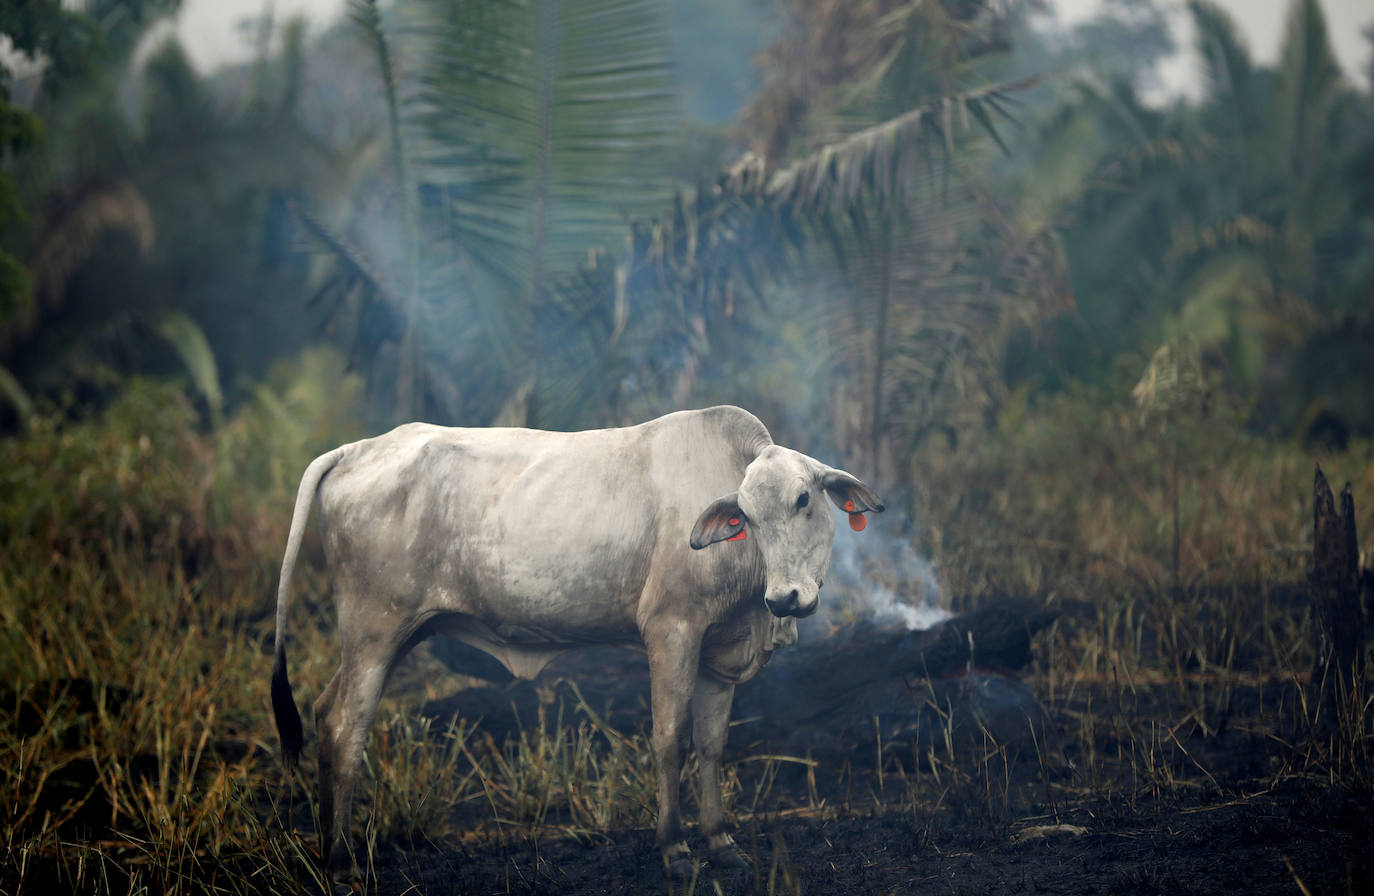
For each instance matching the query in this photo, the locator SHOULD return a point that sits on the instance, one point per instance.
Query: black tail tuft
(284, 708)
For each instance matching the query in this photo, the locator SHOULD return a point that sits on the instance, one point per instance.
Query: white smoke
(881, 577)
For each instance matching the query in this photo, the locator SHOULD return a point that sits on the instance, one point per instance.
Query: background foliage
(1087, 339)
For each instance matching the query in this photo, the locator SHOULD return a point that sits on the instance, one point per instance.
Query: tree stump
(1334, 580)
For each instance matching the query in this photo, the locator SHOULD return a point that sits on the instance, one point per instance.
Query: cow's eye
(803, 500)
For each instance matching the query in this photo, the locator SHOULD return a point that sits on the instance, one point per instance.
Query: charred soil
(1290, 839)
(1200, 771)
(1205, 781)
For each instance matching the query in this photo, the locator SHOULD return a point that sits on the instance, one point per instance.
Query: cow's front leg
(673, 656)
(710, 726)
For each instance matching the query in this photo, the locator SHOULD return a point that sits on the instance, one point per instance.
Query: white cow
(526, 544)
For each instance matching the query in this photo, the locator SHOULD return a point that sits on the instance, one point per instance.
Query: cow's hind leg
(710, 725)
(672, 673)
(343, 716)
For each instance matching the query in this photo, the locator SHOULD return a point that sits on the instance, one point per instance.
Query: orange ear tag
(738, 536)
(849, 505)
(857, 522)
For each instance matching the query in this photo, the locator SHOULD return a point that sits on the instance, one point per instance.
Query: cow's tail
(283, 703)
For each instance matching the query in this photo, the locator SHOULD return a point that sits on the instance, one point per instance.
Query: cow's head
(779, 506)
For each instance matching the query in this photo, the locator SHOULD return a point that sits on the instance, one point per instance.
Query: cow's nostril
(784, 604)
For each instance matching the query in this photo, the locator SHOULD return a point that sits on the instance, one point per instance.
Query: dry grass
(136, 748)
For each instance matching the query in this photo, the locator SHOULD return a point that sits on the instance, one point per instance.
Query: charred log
(953, 680)
(811, 680)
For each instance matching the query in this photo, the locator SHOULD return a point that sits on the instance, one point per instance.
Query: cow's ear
(722, 521)
(850, 494)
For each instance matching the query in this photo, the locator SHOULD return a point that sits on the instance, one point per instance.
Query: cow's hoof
(729, 858)
(682, 868)
(344, 875)
(345, 887)
(344, 883)
(679, 862)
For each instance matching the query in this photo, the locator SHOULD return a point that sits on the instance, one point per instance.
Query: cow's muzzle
(790, 603)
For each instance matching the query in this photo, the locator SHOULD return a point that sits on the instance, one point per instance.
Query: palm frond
(544, 123)
(1309, 79)
(1174, 377)
(882, 160)
(368, 18)
(735, 233)
(187, 339)
(292, 65)
(1226, 63)
(16, 397)
(694, 273)
(352, 260)
(544, 115)
(410, 371)
(176, 103)
(69, 232)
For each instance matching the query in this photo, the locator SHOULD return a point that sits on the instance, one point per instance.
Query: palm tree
(529, 132)
(49, 222)
(195, 187)
(524, 140)
(1214, 223)
(908, 266)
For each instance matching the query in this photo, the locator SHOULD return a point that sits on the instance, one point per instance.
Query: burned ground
(1279, 841)
(1149, 749)
(1210, 781)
